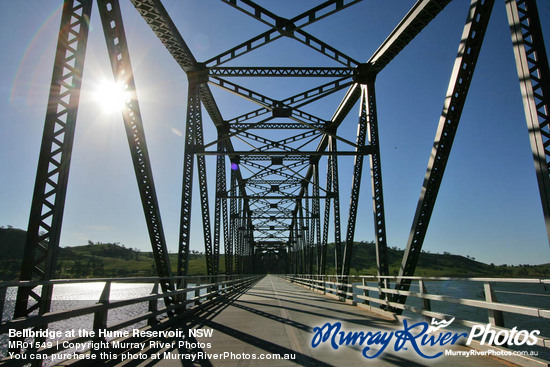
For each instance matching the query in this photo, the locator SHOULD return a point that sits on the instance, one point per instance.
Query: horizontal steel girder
(280, 197)
(275, 125)
(277, 217)
(286, 155)
(282, 71)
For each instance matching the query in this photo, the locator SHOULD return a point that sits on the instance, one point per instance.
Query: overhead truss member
(268, 208)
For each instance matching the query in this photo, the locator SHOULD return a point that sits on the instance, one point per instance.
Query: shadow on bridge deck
(277, 317)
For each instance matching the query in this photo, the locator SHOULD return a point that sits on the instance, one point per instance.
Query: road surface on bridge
(278, 317)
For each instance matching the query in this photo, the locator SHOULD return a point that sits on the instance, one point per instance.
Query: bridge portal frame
(305, 242)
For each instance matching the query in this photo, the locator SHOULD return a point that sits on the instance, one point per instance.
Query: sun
(111, 96)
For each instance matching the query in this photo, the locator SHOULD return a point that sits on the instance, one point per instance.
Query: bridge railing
(471, 301)
(104, 314)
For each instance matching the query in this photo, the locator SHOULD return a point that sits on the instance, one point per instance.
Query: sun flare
(111, 96)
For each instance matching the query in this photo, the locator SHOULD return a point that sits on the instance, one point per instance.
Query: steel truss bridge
(273, 209)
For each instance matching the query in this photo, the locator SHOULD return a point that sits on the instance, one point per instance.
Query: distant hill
(12, 243)
(90, 260)
(434, 264)
(114, 259)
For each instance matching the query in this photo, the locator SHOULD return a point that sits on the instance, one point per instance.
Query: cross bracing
(277, 183)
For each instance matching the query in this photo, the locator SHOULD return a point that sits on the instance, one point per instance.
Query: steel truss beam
(243, 48)
(162, 25)
(326, 222)
(267, 102)
(220, 212)
(193, 118)
(325, 49)
(275, 182)
(281, 27)
(251, 183)
(282, 143)
(278, 217)
(332, 187)
(229, 260)
(239, 223)
(282, 71)
(277, 197)
(333, 163)
(275, 125)
(268, 228)
(293, 113)
(420, 15)
(304, 97)
(268, 142)
(307, 233)
(113, 28)
(271, 171)
(368, 126)
(468, 51)
(279, 214)
(534, 77)
(194, 141)
(265, 38)
(158, 19)
(50, 188)
(412, 24)
(319, 92)
(203, 190)
(265, 16)
(316, 214)
(302, 237)
(293, 155)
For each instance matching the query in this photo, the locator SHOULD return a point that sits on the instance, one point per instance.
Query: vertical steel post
(317, 215)
(239, 232)
(368, 128)
(326, 219)
(310, 231)
(219, 213)
(227, 244)
(376, 180)
(48, 202)
(203, 190)
(333, 159)
(252, 251)
(292, 250)
(302, 238)
(534, 79)
(229, 257)
(193, 116)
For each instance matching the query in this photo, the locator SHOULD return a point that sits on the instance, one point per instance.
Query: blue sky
(488, 206)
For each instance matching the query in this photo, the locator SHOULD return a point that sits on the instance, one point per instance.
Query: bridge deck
(276, 316)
